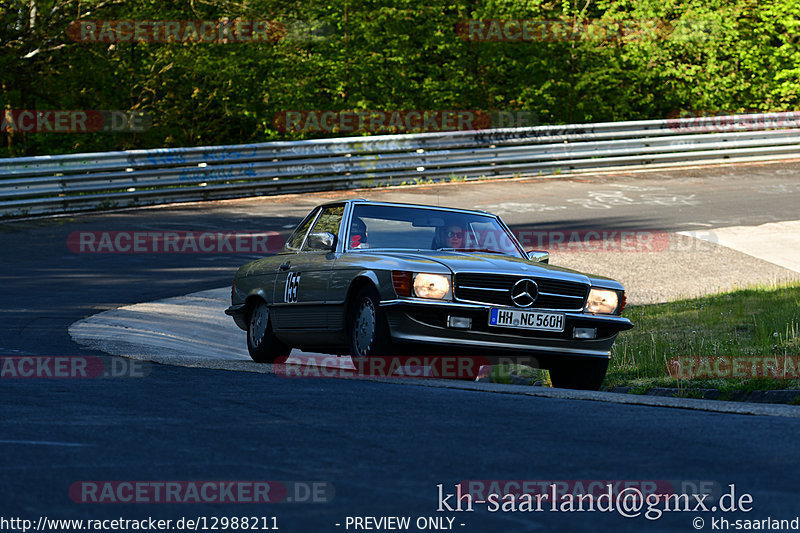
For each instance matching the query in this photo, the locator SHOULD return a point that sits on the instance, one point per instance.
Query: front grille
(495, 289)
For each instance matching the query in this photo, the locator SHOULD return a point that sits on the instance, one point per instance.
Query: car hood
(487, 263)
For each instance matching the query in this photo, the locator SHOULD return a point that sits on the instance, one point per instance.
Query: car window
(487, 235)
(380, 226)
(329, 220)
(296, 239)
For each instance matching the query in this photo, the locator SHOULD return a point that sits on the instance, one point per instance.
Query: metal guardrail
(80, 182)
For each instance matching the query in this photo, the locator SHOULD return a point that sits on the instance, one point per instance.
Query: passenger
(358, 234)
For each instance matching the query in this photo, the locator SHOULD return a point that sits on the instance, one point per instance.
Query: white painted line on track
(776, 242)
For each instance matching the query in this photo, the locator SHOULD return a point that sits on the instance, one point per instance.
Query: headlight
(602, 301)
(432, 286)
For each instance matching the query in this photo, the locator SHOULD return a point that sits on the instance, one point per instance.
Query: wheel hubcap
(258, 325)
(365, 327)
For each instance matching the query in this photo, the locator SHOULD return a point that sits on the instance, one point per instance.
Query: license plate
(513, 318)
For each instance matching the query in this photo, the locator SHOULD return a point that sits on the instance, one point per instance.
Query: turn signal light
(402, 282)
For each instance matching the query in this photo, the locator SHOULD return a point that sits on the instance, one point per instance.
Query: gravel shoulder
(687, 268)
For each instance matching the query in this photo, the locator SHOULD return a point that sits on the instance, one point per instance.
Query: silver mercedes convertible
(372, 278)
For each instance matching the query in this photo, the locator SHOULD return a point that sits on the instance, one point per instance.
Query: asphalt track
(186, 331)
(383, 446)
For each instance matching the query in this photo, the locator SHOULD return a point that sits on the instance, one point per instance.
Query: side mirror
(322, 241)
(540, 256)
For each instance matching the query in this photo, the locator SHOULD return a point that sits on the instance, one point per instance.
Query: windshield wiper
(480, 250)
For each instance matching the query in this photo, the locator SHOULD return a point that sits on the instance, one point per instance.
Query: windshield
(414, 228)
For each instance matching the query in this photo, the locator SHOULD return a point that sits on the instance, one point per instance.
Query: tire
(263, 345)
(578, 373)
(367, 329)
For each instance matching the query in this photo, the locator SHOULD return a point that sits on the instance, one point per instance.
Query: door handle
(285, 266)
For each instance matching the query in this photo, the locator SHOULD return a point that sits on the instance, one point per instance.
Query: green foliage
(661, 59)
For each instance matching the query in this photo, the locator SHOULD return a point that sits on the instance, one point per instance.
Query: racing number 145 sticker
(292, 286)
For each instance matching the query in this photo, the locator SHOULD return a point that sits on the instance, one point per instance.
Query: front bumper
(426, 322)
(238, 313)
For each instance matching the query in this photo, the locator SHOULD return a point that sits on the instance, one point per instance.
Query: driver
(358, 234)
(451, 236)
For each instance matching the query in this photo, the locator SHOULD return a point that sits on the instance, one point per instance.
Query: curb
(778, 396)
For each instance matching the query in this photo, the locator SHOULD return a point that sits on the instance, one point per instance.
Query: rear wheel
(263, 345)
(578, 373)
(367, 329)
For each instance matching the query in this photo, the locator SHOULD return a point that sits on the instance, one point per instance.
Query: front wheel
(368, 332)
(263, 345)
(579, 373)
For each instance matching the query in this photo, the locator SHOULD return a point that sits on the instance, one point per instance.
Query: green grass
(755, 322)
(518, 373)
